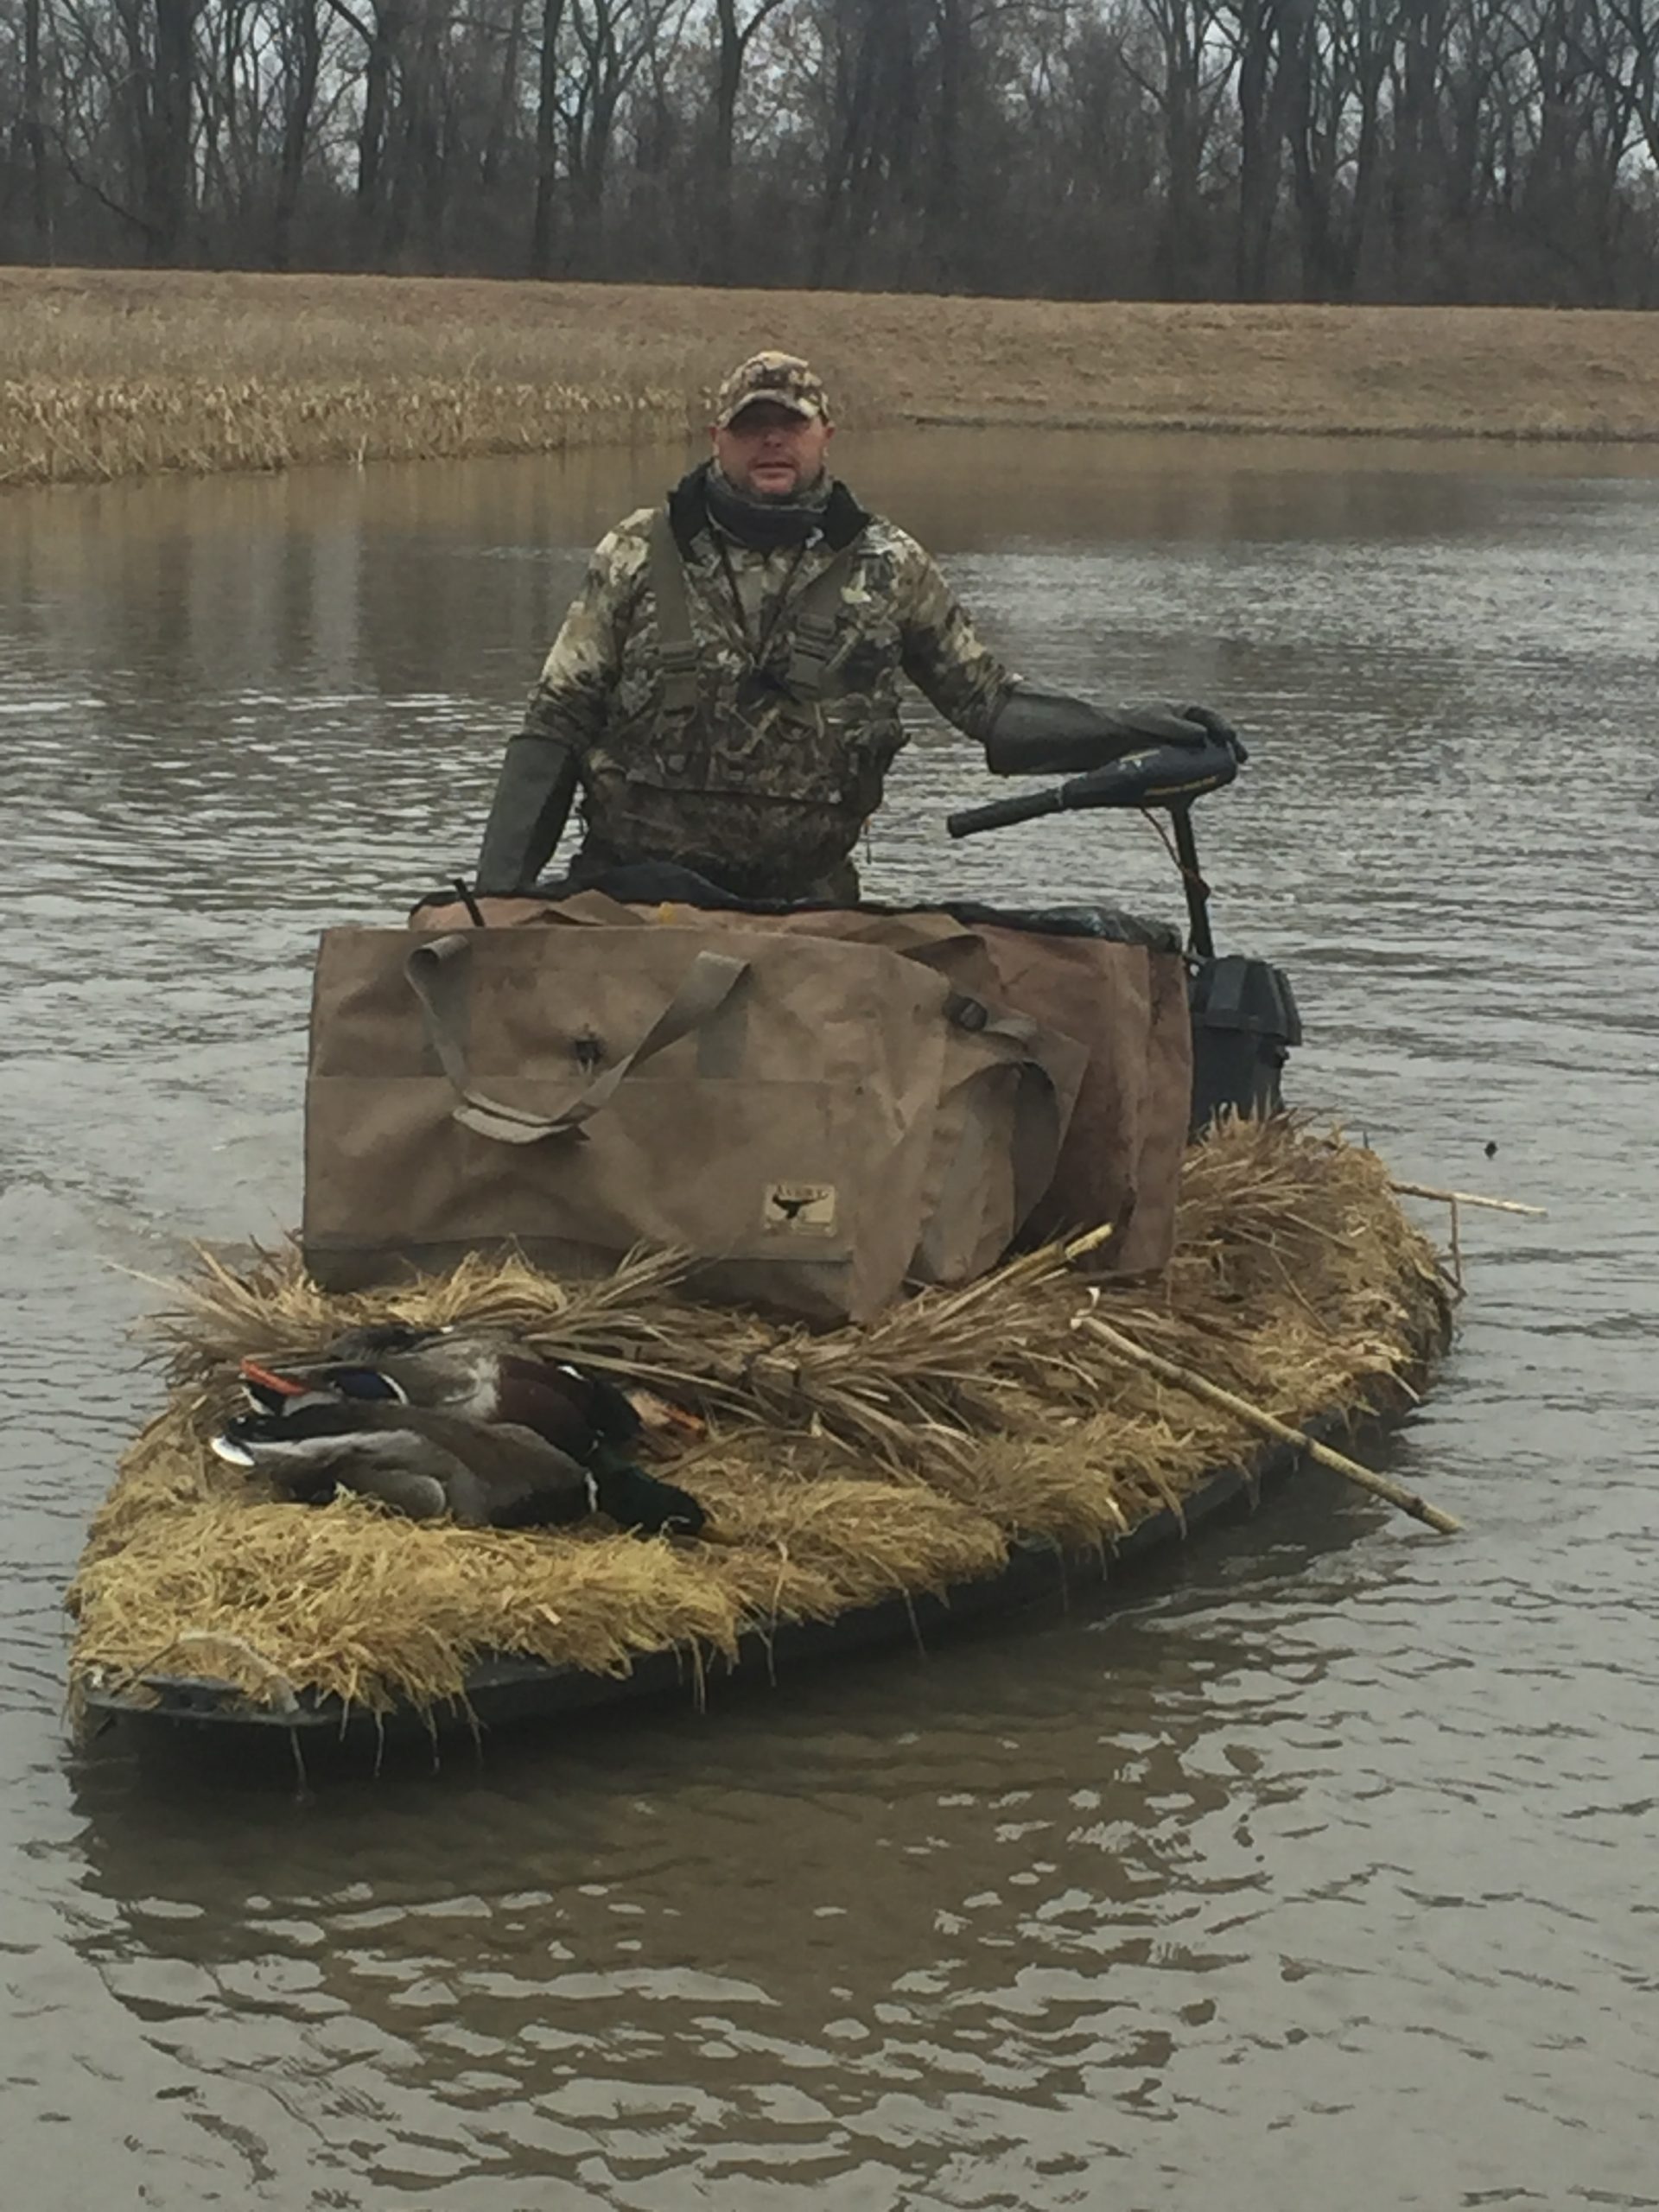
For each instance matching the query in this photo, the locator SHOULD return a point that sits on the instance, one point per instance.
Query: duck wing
(421, 1497)
(422, 1367)
(513, 1477)
(313, 1445)
(422, 1460)
(269, 1389)
(484, 1378)
(516, 1478)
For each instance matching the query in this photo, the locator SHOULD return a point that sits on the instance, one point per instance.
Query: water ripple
(1314, 1874)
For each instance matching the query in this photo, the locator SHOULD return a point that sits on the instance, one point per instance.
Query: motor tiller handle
(999, 813)
(1163, 775)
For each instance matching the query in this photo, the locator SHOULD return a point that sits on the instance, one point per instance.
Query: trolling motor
(1244, 1017)
(1171, 776)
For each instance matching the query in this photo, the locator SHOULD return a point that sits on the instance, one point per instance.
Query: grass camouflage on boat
(838, 1469)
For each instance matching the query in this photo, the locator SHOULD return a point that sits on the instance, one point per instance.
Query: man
(725, 689)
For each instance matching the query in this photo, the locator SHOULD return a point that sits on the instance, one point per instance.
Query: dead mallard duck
(426, 1461)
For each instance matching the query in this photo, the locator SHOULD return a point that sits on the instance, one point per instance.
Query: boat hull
(511, 1691)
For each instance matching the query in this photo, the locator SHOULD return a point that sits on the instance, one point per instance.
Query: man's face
(770, 452)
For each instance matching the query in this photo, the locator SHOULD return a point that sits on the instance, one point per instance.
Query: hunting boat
(980, 1444)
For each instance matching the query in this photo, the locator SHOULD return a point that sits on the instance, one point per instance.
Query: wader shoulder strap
(675, 648)
(439, 974)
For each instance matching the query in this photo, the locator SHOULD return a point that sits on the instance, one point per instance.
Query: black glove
(1217, 727)
(1162, 724)
(1049, 733)
(1046, 734)
(528, 814)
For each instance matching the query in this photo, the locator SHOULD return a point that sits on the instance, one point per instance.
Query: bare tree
(1271, 42)
(1188, 77)
(299, 42)
(1324, 149)
(735, 30)
(30, 138)
(544, 218)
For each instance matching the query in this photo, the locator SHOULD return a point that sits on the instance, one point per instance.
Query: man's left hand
(1216, 727)
(1167, 725)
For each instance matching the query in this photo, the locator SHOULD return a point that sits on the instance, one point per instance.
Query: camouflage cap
(784, 378)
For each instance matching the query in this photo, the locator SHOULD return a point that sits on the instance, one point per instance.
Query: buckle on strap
(679, 667)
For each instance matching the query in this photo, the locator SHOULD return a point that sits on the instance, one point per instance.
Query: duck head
(645, 1506)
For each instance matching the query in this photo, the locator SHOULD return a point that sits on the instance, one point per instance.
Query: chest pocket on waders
(838, 762)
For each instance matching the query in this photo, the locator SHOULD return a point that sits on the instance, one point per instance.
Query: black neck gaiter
(766, 525)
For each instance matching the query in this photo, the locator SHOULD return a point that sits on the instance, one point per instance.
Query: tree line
(1434, 150)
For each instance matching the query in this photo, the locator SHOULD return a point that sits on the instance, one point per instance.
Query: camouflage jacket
(763, 790)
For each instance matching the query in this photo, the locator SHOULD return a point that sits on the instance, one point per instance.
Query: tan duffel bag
(814, 1123)
(1120, 1159)
(1120, 1162)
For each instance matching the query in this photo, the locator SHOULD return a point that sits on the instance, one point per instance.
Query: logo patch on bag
(802, 1208)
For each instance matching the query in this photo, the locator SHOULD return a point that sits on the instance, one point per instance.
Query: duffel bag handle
(439, 974)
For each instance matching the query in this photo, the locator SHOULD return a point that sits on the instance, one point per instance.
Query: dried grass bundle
(838, 1469)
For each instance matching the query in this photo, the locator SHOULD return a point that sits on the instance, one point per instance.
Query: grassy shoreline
(108, 373)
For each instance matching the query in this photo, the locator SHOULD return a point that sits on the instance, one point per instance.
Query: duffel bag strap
(440, 975)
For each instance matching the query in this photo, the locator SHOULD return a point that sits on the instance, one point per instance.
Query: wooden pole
(1270, 1424)
(1468, 1198)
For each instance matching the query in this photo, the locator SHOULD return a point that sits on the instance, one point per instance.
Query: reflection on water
(1315, 1875)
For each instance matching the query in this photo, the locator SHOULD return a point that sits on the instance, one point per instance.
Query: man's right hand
(527, 816)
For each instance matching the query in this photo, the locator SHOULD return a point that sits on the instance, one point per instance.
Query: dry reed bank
(108, 373)
(837, 1469)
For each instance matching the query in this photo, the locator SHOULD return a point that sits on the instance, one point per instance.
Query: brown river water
(1318, 1871)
